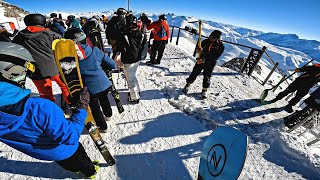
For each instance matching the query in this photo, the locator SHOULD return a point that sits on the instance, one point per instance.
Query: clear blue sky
(301, 17)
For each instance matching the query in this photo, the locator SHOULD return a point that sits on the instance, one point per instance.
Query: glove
(199, 50)
(199, 61)
(80, 99)
(297, 70)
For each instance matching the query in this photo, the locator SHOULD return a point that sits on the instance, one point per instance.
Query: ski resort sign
(223, 154)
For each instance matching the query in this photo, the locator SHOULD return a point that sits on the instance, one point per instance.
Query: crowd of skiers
(38, 127)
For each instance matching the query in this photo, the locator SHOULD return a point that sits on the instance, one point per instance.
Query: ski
(67, 63)
(96, 39)
(114, 92)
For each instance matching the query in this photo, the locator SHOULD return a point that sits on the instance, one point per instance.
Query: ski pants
(157, 48)
(297, 85)
(207, 71)
(79, 161)
(44, 87)
(97, 100)
(130, 71)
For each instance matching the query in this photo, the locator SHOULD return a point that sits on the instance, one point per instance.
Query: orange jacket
(156, 26)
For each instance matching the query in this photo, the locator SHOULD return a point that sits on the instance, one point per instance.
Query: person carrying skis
(38, 41)
(130, 47)
(161, 35)
(73, 22)
(36, 126)
(55, 24)
(5, 35)
(212, 49)
(115, 29)
(90, 60)
(301, 85)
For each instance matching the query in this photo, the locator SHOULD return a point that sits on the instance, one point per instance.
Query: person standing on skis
(36, 126)
(212, 49)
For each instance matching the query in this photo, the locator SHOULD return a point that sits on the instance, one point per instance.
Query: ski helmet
(121, 11)
(34, 19)
(75, 34)
(216, 34)
(163, 17)
(53, 15)
(15, 62)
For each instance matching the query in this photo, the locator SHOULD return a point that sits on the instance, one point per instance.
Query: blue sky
(300, 17)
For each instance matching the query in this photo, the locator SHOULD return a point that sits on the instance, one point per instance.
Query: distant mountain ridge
(309, 47)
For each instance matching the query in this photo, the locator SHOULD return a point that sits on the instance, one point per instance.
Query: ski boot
(96, 167)
(186, 88)
(133, 95)
(204, 93)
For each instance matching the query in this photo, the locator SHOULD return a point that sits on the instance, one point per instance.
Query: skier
(146, 34)
(73, 22)
(93, 76)
(115, 29)
(161, 35)
(55, 24)
(36, 126)
(212, 49)
(302, 85)
(131, 48)
(38, 41)
(5, 35)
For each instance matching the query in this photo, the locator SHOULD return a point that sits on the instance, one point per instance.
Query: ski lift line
(229, 42)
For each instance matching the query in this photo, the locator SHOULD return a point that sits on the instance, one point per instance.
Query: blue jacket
(58, 27)
(40, 131)
(91, 71)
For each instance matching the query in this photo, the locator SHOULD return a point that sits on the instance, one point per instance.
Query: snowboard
(223, 154)
(67, 63)
(300, 117)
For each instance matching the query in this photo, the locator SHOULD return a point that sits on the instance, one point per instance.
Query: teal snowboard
(223, 154)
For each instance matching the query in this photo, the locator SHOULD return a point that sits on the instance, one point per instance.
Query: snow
(162, 136)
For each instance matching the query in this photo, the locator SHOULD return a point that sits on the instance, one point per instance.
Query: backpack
(115, 27)
(162, 33)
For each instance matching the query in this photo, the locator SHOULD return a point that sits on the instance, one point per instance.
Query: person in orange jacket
(161, 35)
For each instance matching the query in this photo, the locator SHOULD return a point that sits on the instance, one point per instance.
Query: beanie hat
(216, 34)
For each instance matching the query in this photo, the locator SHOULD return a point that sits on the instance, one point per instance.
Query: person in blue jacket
(34, 125)
(90, 61)
(73, 22)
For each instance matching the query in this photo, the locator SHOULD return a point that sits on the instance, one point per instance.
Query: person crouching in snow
(130, 47)
(36, 126)
(93, 76)
(212, 49)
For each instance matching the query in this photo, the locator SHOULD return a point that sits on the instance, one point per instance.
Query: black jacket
(311, 75)
(211, 51)
(130, 47)
(5, 36)
(39, 44)
(116, 28)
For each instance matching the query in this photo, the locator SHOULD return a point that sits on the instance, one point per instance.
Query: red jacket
(156, 26)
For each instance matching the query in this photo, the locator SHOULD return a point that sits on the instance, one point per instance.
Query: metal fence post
(178, 37)
(171, 33)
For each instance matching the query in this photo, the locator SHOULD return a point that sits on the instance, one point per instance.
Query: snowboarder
(212, 49)
(131, 48)
(115, 29)
(302, 85)
(38, 41)
(55, 24)
(161, 35)
(36, 126)
(93, 76)
(5, 35)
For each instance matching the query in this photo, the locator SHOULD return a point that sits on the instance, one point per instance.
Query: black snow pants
(157, 48)
(207, 71)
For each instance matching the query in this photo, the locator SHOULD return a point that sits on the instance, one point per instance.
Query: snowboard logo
(68, 66)
(216, 159)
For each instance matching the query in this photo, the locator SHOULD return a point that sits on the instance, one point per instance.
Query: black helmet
(71, 17)
(121, 11)
(75, 34)
(216, 34)
(15, 61)
(163, 17)
(34, 19)
(53, 15)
